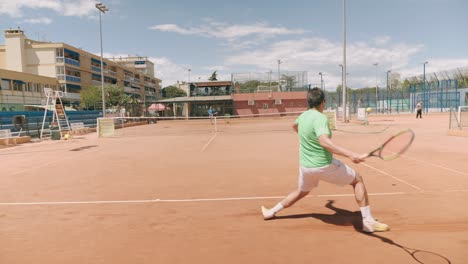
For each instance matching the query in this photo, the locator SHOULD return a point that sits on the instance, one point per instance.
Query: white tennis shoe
(374, 226)
(267, 214)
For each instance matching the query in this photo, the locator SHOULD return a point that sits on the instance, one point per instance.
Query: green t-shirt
(313, 124)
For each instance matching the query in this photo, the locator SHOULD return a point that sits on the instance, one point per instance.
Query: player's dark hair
(315, 97)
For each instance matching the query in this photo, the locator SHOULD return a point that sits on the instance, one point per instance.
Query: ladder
(59, 117)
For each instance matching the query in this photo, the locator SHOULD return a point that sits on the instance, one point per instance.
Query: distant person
(419, 110)
(211, 113)
(317, 163)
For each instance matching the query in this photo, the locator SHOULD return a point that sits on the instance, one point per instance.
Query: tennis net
(153, 126)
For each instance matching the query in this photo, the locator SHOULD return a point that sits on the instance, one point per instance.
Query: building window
(5, 85)
(59, 53)
(18, 85)
(60, 70)
(266, 106)
(36, 88)
(27, 87)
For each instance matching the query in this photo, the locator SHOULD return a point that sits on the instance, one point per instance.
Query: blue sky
(242, 36)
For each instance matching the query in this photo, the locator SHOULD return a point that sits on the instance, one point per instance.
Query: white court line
(209, 142)
(268, 197)
(185, 200)
(210, 199)
(81, 202)
(435, 165)
(394, 177)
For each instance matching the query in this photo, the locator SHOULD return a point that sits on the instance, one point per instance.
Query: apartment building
(19, 90)
(74, 68)
(140, 64)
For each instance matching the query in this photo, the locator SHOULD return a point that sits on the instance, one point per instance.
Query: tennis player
(317, 163)
(211, 113)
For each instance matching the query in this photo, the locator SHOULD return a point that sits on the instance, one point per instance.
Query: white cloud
(40, 20)
(441, 66)
(316, 55)
(381, 40)
(63, 7)
(232, 33)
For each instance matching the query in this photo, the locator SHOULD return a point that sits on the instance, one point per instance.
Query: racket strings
(397, 145)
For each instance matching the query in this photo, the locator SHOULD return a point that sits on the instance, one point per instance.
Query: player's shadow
(343, 217)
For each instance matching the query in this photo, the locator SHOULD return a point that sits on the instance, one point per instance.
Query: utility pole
(345, 120)
(376, 88)
(279, 75)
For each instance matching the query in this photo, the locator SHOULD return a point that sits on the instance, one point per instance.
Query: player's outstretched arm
(329, 145)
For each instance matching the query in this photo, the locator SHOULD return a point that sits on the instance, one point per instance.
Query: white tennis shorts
(337, 173)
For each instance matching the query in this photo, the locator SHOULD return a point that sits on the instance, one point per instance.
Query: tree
(290, 82)
(115, 96)
(91, 97)
(172, 91)
(213, 77)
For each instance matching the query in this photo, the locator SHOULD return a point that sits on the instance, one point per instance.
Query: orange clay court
(173, 192)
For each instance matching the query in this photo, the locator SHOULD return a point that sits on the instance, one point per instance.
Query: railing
(60, 60)
(73, 96)
(136, 80)
(95, 68)
(131, 90)
(150, 84)
(96, 82)
(128, 78)
(73, 79)
(72, 62)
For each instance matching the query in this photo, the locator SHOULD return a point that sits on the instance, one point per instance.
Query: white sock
(366, 213)
(277, 208)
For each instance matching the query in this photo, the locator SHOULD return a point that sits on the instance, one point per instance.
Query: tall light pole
(321, 80)
(424, 85)
(388, 88)
(279, 75)
(102, 9)
(376, 88)
(345, 120)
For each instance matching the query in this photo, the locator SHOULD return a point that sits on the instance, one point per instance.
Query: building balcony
(96, 68)
(73, 79)
(149, 84)
(94, 82)
(72, 62)
(71, 96)
(128, 78)
(136, 80)
(60, 60)
(111, 73)
(131, 90)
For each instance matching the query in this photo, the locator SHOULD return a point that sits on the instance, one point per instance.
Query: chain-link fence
(285, 81)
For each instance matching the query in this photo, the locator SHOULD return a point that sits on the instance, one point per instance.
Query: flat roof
(196, 99)
(212, 84)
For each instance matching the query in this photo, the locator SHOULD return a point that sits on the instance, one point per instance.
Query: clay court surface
(173, 192)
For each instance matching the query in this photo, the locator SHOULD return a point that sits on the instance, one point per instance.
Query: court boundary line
(435, 165)
(226, 199)
(207, 144)
(394, 177)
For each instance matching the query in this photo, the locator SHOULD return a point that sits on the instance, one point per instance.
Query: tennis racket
(394, 146)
